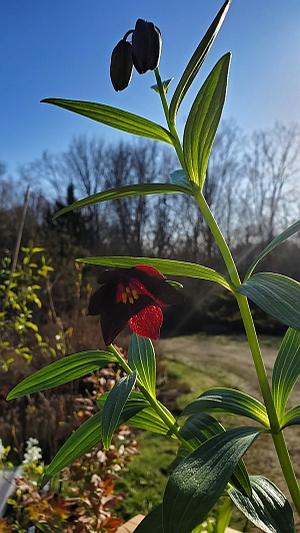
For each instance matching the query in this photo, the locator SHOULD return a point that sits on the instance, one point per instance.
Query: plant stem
(160, 409)
(277, 435)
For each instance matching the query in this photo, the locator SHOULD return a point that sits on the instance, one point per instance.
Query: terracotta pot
(130, 526)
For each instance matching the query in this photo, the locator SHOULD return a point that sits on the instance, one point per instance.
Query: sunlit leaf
(277, 295)
(199, 428)
(292, 417)
(197, 483)
(203, 121)
(149, 420)
(286, 370)
(267, 508)
(141, 357)
(170, 267)
(125, 192)
(197, 60)
(280, 239)
(223, 517)
(138, 413)
(232, 401)
(114, 117)
(62, 371)
(81, 441)
(114, 405)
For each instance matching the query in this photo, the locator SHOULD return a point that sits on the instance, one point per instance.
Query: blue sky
(62, 49)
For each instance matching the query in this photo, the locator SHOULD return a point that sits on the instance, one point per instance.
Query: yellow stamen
(134, 294)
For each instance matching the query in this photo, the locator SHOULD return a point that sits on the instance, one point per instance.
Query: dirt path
(227, 361)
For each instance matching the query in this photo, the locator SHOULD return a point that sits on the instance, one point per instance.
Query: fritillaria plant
(136, 290)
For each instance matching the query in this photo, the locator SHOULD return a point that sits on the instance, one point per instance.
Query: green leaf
(223, 518)
(170, 267)
(197, 60)
(201, 427)
(178, 177)
(165, 85)
(198, 482)
(292, 417)
(152, 523)
(134, 404)
(267, 508)
(225, 400)
(277, 295)
(286, 370)
(82, 441)
(62, 371)
(124, 192)
(291, 230)
(138, 413)
(114, 117)
(141, 357)
(203, 121)
(149, 420)
(114, 405)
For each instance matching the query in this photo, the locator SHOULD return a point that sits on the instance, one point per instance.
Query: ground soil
(226, 361)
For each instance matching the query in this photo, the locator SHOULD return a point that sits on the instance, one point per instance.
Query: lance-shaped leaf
(286, 370)
(267, 508)
(198, 482)
(225, 400)
(280, 239)
(149, 420)
(139, 414)
(89, 434)
(292, 417)
(152, 523)
(125, 192)
(62, 371)
(114, 405)
(197, 60)
(198, 429)
(203, 121)
(141, 357)
(277, 295)
(114, 117)
(223, 517)
(82, 441)
(169, 267)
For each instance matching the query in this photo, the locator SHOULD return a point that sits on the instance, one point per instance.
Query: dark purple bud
(121, 65)
(146, 46)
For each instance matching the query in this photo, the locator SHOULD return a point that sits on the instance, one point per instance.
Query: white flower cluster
(2, 450)
(33, 452)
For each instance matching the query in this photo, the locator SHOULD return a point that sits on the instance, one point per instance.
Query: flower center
(126, 293)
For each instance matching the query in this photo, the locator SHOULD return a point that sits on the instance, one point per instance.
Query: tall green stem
(160, 409)
(277, 435)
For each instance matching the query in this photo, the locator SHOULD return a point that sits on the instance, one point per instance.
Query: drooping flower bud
(121, 65)
(146, 46)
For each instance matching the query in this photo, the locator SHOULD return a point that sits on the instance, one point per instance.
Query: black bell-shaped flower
(146, 46)
(121, 65)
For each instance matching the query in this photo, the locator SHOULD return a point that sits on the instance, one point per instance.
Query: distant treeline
(251, 185)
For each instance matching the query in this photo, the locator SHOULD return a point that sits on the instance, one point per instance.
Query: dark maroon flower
(121, 65)
(146, 46)
(133, 296)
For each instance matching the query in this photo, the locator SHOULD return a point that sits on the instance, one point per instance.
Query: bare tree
(271, 163)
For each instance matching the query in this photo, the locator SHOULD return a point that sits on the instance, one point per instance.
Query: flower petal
(116, 315)
(147, 322)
